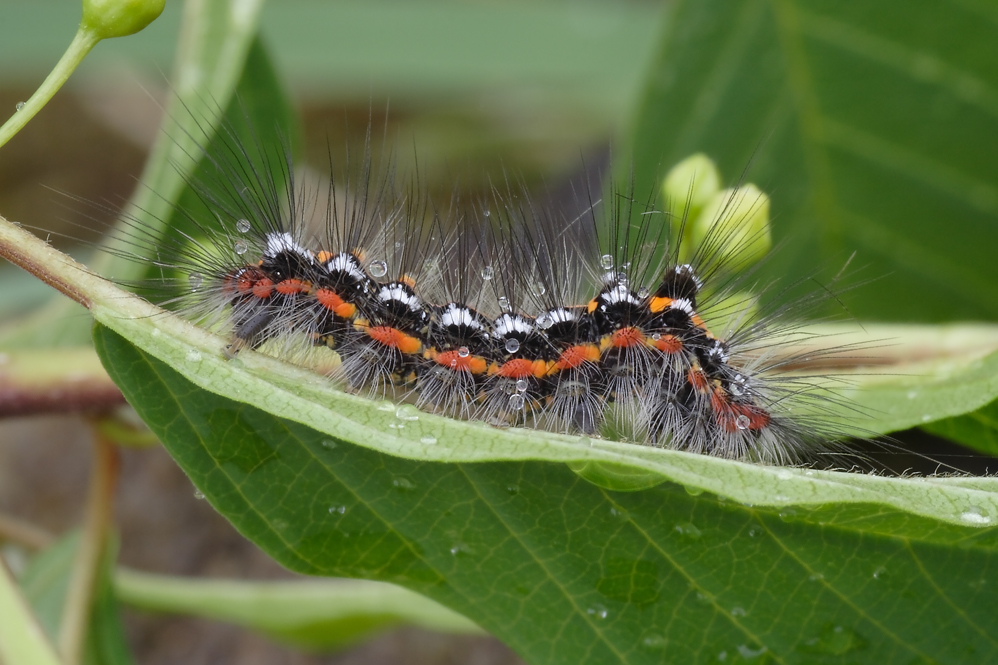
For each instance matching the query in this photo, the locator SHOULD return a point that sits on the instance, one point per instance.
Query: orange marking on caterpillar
(263, 288)
(728, 414)
(290, 287)
(324, 256)
(698, 322)
(592, 305)
(521, 368)
(334, 303)
(574, 356)
(454, 360)
(668, 344)
(698, 380)
(626, 337)
(394, 338)
(659, 304)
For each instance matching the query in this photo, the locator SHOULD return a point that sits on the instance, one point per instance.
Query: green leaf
(866, 125)
(317, 615)
(21, 637)
(45, 582)
(977, 430)
(565, 571)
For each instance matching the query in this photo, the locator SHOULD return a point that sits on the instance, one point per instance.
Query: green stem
(21, 638)
(71, 59)
(79, 597)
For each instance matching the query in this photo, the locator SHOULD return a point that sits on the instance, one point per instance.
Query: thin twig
(79, 597)
(24, 533)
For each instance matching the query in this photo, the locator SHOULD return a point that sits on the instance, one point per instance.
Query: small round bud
(689, 185)
(735, 225)
(119, 18)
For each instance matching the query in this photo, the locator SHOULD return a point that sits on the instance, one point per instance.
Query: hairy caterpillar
(503, 309)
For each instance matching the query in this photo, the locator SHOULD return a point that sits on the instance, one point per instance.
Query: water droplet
(512, 490)
(643, 292)
(403, 483)
(195, 280)
(521, 385)
(242, 225)
(619, 514)
(386, 406)
(597, 611)
(654, 641)
(586, 441)
(516, 402)
(815, 577)
(753, 532)
(463, 352)
(656, 336)
(781, 497)
(880, 573)
(18, 106)
(748, 653)
(337, 509)
(407, 412)
(504, 303)
(240, 247)
(198, 494)
(328, 444)
(460, 549)
(545, 321)
(538, 289)
(926, 418)
(428, 440)
(783, 474)
(742, 422)
(693, 491)
(834, 640)
(377, 268)
(194, 356)
(975, 515)
(788, 514)
(688, 530)
(736, 390)
(606, 261)
(738, 611)
(280, 525)
(512, 345)
(488, 273)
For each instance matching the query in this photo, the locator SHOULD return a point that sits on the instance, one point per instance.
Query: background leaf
(45, 582)
(871, 126)
(314, 614)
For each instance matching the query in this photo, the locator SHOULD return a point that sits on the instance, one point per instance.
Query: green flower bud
(734, 224)
(119, 18)
(689, 185)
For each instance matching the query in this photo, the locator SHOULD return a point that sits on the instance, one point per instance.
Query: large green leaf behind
(873, 126)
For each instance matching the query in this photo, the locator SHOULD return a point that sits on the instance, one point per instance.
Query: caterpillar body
(504, 311)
